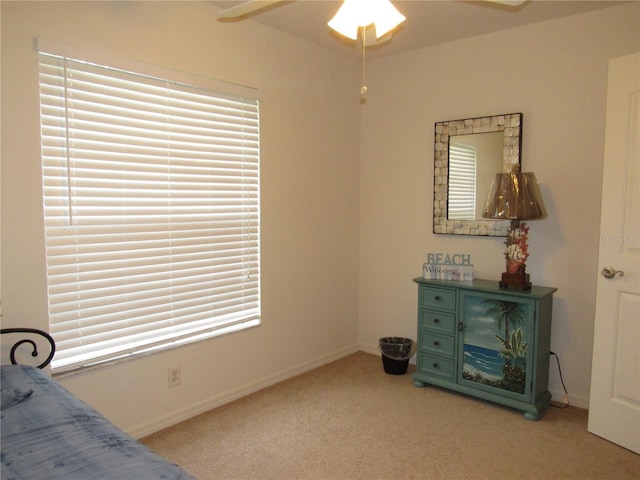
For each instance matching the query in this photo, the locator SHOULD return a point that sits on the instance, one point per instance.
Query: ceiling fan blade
(246, 8)
(511, 3)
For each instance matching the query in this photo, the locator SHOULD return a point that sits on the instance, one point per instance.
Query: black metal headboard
(34, 346)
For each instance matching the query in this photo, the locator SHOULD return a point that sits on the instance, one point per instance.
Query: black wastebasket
(396, 352)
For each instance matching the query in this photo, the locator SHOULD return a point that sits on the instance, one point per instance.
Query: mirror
(467, 155)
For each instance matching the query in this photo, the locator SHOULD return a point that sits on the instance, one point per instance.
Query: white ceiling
(429, 22)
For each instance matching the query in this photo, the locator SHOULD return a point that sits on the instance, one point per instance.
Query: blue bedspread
(47, 433)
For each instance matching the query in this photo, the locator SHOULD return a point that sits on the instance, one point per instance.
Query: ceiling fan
(251, 6)
(354, 17)
(246, 8)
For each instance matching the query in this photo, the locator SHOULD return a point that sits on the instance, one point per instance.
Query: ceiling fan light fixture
(387, 17)
(354, 14)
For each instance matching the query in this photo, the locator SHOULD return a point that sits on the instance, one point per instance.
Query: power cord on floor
(565, 397)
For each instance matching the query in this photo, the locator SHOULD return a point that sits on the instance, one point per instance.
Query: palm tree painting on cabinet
(495, 343)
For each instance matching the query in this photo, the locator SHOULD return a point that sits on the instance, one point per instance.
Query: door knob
(610, 272)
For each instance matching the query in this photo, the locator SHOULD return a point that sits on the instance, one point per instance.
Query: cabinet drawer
(431, 364)
(442, 322)
(438, 344)
(441, 298)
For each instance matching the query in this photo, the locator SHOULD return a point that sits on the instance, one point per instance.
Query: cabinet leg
(532, 417)
(418, 383)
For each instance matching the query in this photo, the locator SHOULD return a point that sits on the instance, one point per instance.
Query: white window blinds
(462, 182)
(152, 211)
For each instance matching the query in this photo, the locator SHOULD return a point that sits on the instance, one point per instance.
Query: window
(152, 211)
(462, 182)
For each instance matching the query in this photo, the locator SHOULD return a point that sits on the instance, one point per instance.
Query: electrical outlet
(174, 377)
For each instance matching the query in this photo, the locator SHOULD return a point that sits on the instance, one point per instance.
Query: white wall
(555, 73)
(310, 174)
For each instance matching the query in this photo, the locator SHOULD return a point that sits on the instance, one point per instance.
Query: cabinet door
(497, 344)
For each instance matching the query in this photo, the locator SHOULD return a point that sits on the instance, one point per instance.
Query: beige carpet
(350, 420)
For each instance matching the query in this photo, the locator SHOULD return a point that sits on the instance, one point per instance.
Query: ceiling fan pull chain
(363, 89)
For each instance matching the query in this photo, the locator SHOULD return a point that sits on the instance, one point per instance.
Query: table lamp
(515, 196)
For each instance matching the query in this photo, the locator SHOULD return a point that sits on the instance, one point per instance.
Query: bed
(47, 433)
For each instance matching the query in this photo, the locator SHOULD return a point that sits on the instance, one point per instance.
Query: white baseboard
(574, 401)
(369, 349)
(189, 411)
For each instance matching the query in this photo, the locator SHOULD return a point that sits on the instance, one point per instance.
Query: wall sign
(448, 266)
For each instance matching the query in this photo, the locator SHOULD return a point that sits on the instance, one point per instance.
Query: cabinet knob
(436, 320)
(437, 297)
(436, 343)
(435, 365)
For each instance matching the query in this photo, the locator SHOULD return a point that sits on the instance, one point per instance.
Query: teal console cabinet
(482, 340)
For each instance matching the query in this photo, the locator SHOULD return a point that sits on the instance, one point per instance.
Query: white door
(614, 403)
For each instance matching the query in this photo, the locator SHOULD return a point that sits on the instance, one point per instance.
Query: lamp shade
(360, 13)
(515, 195)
